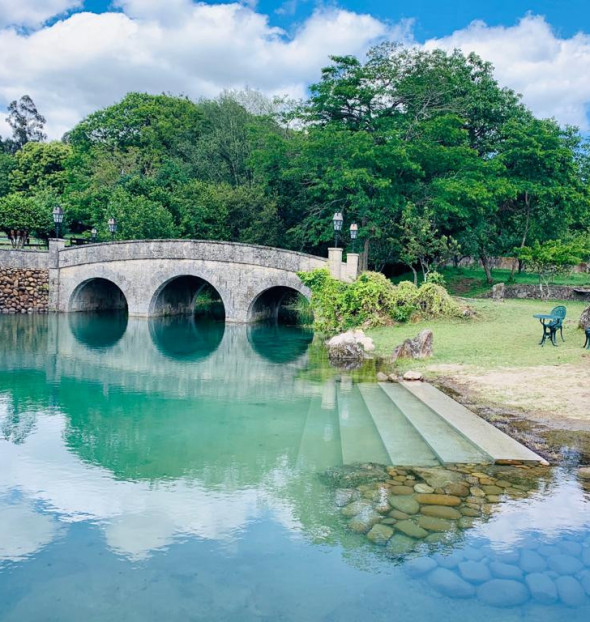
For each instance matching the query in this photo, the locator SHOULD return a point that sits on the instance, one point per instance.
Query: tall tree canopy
(424, 150)
(26, 121)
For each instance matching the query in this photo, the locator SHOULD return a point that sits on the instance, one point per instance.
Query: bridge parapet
(227, 252)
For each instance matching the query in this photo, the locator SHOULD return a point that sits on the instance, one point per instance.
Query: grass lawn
(471, 281)
(504, 334)
(495, 359)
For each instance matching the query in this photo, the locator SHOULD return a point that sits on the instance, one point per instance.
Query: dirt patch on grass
(545, 407)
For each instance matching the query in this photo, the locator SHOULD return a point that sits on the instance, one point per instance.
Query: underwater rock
(399, 544)
(570, 591)
(349, 475)
(441, 511)
(474, 572)
(408, 504)
(450, 584)
(503, 593)
(542, 588)
(380, 534)
(409, 528)
(434, 499)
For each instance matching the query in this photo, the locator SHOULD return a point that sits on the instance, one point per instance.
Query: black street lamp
(354, 229)
(93, 234)
(58, 218)
(337, 220)
(112, 227)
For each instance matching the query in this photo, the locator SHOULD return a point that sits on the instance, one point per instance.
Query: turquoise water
(168, 470)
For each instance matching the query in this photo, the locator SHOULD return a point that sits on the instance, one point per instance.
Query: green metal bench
(587, 343)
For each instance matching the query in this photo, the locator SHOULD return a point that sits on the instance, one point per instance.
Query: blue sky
(433, 18)
(74, 56)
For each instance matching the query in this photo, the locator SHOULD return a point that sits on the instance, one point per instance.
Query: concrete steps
(495, 443)
(320, 446)
(404, 445)
(358, 436)
(447, 444)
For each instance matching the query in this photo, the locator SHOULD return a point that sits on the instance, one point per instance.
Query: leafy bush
(371, 300)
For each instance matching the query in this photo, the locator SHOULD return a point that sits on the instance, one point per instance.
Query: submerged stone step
(447, 444)
(319, 447)
(359, 437)
(404, 445)
(494, 442)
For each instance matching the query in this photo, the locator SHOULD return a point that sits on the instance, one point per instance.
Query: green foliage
(138, 218)
(40, 166)
(7, 165)
(555, 257)
(435, 277)
(19, 212)
(371, 300)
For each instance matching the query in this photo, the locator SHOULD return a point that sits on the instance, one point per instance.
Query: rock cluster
(24, 291)
(415, 513)
(420, 347)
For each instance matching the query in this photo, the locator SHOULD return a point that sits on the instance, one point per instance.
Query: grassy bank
(501, 335)
(471, 281)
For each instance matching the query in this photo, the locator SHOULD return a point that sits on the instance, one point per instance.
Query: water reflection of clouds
(561, 507)
(136, 517)
(23, 531)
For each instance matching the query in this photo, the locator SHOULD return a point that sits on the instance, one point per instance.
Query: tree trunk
(485, 262)
(415, 273)
(364, 257)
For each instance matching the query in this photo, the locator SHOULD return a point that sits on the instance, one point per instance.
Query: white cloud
(91, 60)
(550, 72)
(33, 13)
(87, 61)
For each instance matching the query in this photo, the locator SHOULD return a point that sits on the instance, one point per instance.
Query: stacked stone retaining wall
(24, 281)
(553, 292)
(24, 290)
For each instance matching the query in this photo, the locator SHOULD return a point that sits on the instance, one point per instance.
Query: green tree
(138, 218)
(7, 164)
(40, 166)
(21, 216)
(554, 257)
(26, 122)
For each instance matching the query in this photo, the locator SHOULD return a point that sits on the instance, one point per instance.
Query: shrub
(371, 300)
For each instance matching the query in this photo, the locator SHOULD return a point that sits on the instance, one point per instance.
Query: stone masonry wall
(553, 292)
(24, 290)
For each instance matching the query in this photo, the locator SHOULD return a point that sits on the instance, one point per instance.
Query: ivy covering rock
(372, 300)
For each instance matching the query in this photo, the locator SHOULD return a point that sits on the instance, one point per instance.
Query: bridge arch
(272, 304)
(178, 294)
(97, 294)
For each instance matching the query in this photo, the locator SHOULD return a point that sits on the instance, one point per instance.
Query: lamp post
(58, 218)
(337, 220)
(93, 234)
(354, 229)
(112, 227)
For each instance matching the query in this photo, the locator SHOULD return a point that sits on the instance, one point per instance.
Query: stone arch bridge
(163, 277)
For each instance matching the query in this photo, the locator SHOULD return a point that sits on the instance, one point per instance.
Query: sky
(75, 56)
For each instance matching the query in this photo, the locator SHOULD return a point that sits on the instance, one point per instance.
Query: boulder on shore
(585, 319)
(418, 348)
(353, 345)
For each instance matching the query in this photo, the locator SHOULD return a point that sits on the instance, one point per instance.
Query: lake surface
(171, 470)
